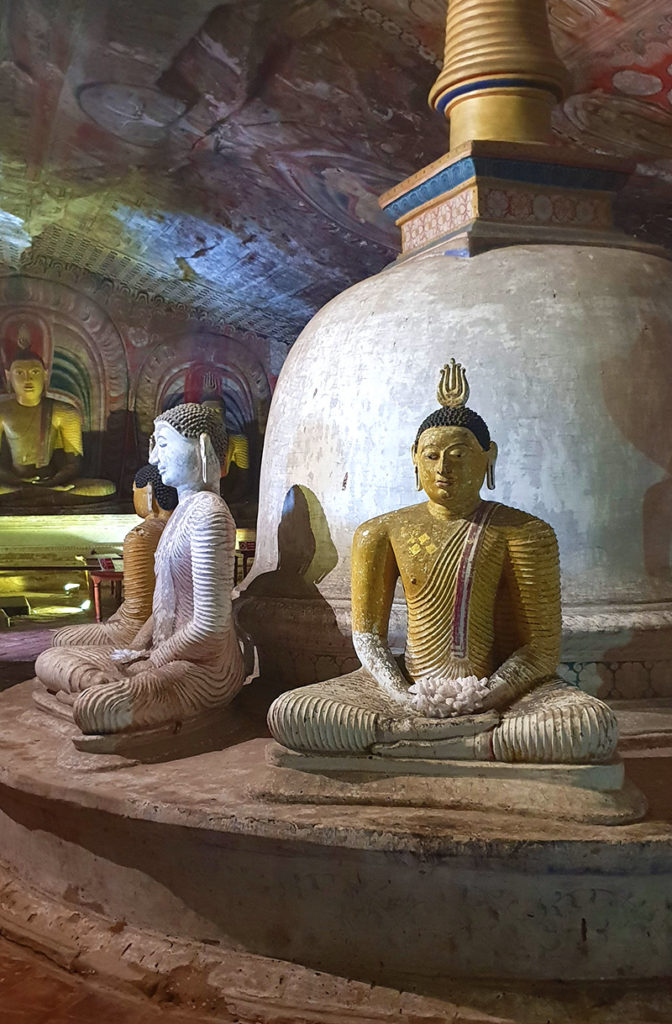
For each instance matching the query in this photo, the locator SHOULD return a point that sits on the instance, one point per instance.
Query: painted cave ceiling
(229, 156)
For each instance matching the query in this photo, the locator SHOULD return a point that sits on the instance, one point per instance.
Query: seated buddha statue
(154, 502)
(43, 435)
(186, 659)
(482, 587)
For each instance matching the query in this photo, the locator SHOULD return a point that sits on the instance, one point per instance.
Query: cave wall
(121, 355)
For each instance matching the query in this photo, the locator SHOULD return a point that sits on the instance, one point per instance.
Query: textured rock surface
(226, 157)
(193, 848)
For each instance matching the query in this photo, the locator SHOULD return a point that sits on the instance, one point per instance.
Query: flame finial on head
(453, 390)
(23, 336)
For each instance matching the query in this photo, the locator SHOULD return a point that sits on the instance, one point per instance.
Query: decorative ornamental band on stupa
(503, 182)
(501, 76)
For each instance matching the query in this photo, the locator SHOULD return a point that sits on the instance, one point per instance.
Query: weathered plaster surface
(568, 354)
(193, 848)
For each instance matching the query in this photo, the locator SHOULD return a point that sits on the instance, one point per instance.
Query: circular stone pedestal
(208, 850)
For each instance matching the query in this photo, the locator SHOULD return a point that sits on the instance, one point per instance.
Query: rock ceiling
(230, 155)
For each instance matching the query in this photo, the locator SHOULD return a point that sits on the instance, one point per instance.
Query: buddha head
(151, 497)
(453, 452)
(27, 377)
(189, 446)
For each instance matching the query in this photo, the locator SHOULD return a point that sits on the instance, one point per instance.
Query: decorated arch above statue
(63, 414)
(222, 373)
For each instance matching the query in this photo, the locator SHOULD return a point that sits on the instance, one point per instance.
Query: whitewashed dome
(568, 351)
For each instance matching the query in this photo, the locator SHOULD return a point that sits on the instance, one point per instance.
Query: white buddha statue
(186, 660)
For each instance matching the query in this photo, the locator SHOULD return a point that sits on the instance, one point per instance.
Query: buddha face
(27, 378)
(177, 458)
(451, 465)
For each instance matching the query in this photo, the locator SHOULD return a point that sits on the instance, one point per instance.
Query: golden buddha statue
(482, 586)
(44, 436)
(154, 503)
(186, 660)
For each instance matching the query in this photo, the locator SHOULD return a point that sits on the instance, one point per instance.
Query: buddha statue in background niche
(186, 660)
(43, 436)
(154, 503)
(481, 580)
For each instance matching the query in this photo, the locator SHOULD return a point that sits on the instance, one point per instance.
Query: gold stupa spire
(501, 76)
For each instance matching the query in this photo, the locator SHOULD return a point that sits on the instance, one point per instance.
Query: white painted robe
(194, 660)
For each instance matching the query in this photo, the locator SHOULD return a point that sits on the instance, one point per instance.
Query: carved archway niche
(207, 367)
(85, 355)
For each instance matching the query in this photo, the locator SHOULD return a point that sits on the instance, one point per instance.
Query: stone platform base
(595, 794)
(237, 986)
(203, 853)
(212, 730)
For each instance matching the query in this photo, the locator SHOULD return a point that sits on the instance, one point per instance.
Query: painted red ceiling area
(235, 151)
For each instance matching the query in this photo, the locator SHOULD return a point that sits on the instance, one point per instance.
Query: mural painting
(81, 392)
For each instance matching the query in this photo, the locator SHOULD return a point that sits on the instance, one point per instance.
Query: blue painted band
(528, 171)
(495, 83)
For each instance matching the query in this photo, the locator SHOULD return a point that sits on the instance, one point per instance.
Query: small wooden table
(112, 576)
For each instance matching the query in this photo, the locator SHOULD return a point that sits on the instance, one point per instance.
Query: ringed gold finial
(453, 389)
(501, 76)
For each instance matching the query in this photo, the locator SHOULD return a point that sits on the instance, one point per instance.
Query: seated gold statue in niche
(482, 587)
(43, 435)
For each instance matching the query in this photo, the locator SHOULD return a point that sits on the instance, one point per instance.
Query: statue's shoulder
(149, 530)
(63, 410)
(208, 505)
(520, 524)
(387, 524)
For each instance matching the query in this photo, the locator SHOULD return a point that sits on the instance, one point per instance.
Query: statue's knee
(42, 661)
(103, 708)
(589, 731)
(570, 728)
(598, 729)
(45, 665)
(280, 714)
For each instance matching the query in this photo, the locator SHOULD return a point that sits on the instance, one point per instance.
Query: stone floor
(28, 637)
(33, 991)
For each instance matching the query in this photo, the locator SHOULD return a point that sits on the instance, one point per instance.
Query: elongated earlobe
(211, 469)
(203, 452)
(415, 467)
(490, 472)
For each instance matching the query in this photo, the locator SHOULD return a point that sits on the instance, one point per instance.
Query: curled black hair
(166, 497)
(25, 355)
(191, 420)
(460, 417)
